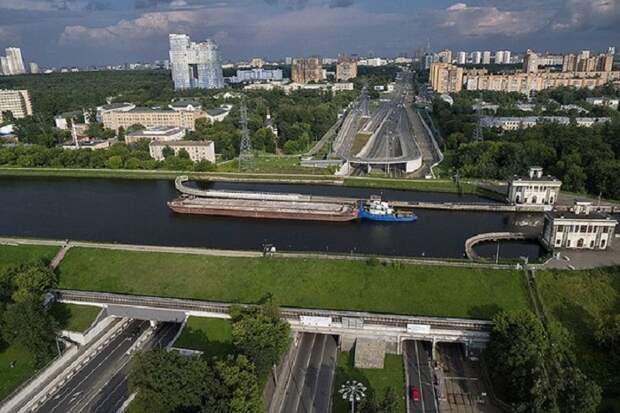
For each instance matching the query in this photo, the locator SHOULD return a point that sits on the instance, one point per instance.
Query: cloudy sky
(81, 32)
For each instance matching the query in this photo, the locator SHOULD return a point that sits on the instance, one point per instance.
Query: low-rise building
(534, 189)
(61, 121)
(185, 105)
(91, 144)
(113, 107)
(581, 228)
(217, 114)
(257, 75)
(197, 150)
(150, 117)
(160, 134)
(604, 101)
(510, 123)
(15, 101)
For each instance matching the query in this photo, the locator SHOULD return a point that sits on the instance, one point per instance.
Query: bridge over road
(348, 325)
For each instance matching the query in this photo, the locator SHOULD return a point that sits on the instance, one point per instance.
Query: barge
(265, 208)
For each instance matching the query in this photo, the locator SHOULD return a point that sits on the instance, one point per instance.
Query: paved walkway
(582, 260)
(247, 254)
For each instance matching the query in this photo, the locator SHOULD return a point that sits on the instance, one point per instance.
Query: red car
(415, 394)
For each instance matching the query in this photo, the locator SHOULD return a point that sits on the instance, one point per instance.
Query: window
(580, 243)
(605, 230)
(558, 242)
(584, 228)
(592, 244)
(602, 243)
(590, 228)
(560, 228)
(568, 243)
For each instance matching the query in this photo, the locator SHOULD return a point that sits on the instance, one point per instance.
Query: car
(415, 394)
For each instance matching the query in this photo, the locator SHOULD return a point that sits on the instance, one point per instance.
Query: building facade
(582, 228)
(12, 63)
(197, 150)
(446, 78)
(534, 189)
(15, 101)
(195, 65)
(346, 69)
(516, 123)
(149, 118)
(305, 70)
(160, 134)
(254, 75)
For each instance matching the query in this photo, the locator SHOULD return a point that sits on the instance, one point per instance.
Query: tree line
(168, 382)
(534, 369)
(585, 159)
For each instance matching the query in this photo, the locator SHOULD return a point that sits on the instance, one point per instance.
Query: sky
(96, 32)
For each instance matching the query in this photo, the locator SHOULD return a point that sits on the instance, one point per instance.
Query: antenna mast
(246, 157)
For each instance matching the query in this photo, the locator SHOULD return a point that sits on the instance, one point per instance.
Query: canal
(135, 212)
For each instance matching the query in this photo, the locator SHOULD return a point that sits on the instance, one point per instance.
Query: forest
(585, 159)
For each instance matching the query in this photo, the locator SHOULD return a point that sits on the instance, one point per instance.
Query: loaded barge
(268, 205)
(264, 208)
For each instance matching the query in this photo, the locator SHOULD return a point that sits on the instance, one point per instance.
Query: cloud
(127, 31)
(8, 36)
(340, 3)
(587, 14)
(476, 21)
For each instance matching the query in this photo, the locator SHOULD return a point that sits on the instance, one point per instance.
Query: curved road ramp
(308, 386)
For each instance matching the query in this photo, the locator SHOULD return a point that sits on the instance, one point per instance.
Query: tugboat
(377, 210)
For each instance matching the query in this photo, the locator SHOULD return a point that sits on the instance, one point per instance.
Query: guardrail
(288, 313)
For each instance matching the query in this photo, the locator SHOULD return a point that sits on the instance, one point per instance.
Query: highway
(101, 384)
(392, 139)
(309, 387)
(419, 374)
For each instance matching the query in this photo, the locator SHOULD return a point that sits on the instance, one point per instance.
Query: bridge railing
(293, 314)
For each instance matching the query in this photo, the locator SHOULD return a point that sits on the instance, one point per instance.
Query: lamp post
(352, 391)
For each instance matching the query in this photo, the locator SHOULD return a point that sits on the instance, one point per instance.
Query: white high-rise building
(16, 62)
(34, 68)
(195, 65)
(476, 57)
(486, 57)
(12, 63)
(499, 57)
(462, 59)
(507, 57)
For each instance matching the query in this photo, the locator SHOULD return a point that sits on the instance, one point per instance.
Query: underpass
(420, 374)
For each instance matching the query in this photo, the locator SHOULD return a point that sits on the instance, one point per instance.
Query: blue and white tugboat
(377, 210)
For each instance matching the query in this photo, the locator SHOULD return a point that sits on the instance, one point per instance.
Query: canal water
(135, 212)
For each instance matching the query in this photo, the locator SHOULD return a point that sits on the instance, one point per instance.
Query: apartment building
(15, 101)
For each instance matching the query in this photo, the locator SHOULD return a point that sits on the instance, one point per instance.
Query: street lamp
(352, 391)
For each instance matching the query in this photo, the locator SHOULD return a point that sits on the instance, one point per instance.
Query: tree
(114, 162)
(261, 335)
(183, 154)
(135, 127)
(166, 381)
(389, 403)
(534, 368)
(25, 323)
(242, 393)
(31, 283)
(167, 152)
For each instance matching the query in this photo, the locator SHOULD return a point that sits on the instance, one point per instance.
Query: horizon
(110, 32)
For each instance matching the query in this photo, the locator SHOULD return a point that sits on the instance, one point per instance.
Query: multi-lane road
(418, 368)
(101, 385)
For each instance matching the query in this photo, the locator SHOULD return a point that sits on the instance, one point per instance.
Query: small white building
(91, 144)
(534, 189)
(218, 114)
(197, 150)
(604, 101)
(157, 133)
(185, 105)
(581, 228)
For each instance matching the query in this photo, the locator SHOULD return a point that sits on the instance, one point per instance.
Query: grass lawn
(575, 299)
(433, 185)
(10, 378)
(211, 335)
(274, 164)
(74, 317)
(13, 255)
(315, 283)
(376, 380)
(361, 139)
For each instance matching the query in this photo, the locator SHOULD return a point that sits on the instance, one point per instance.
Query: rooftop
(182, 143)
(216, 111)
(582, 216)
(118, 105)
(157, 130)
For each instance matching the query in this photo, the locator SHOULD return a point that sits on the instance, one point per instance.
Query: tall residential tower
(195, 65)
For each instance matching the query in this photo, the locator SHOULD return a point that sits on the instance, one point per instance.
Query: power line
(246, 156)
